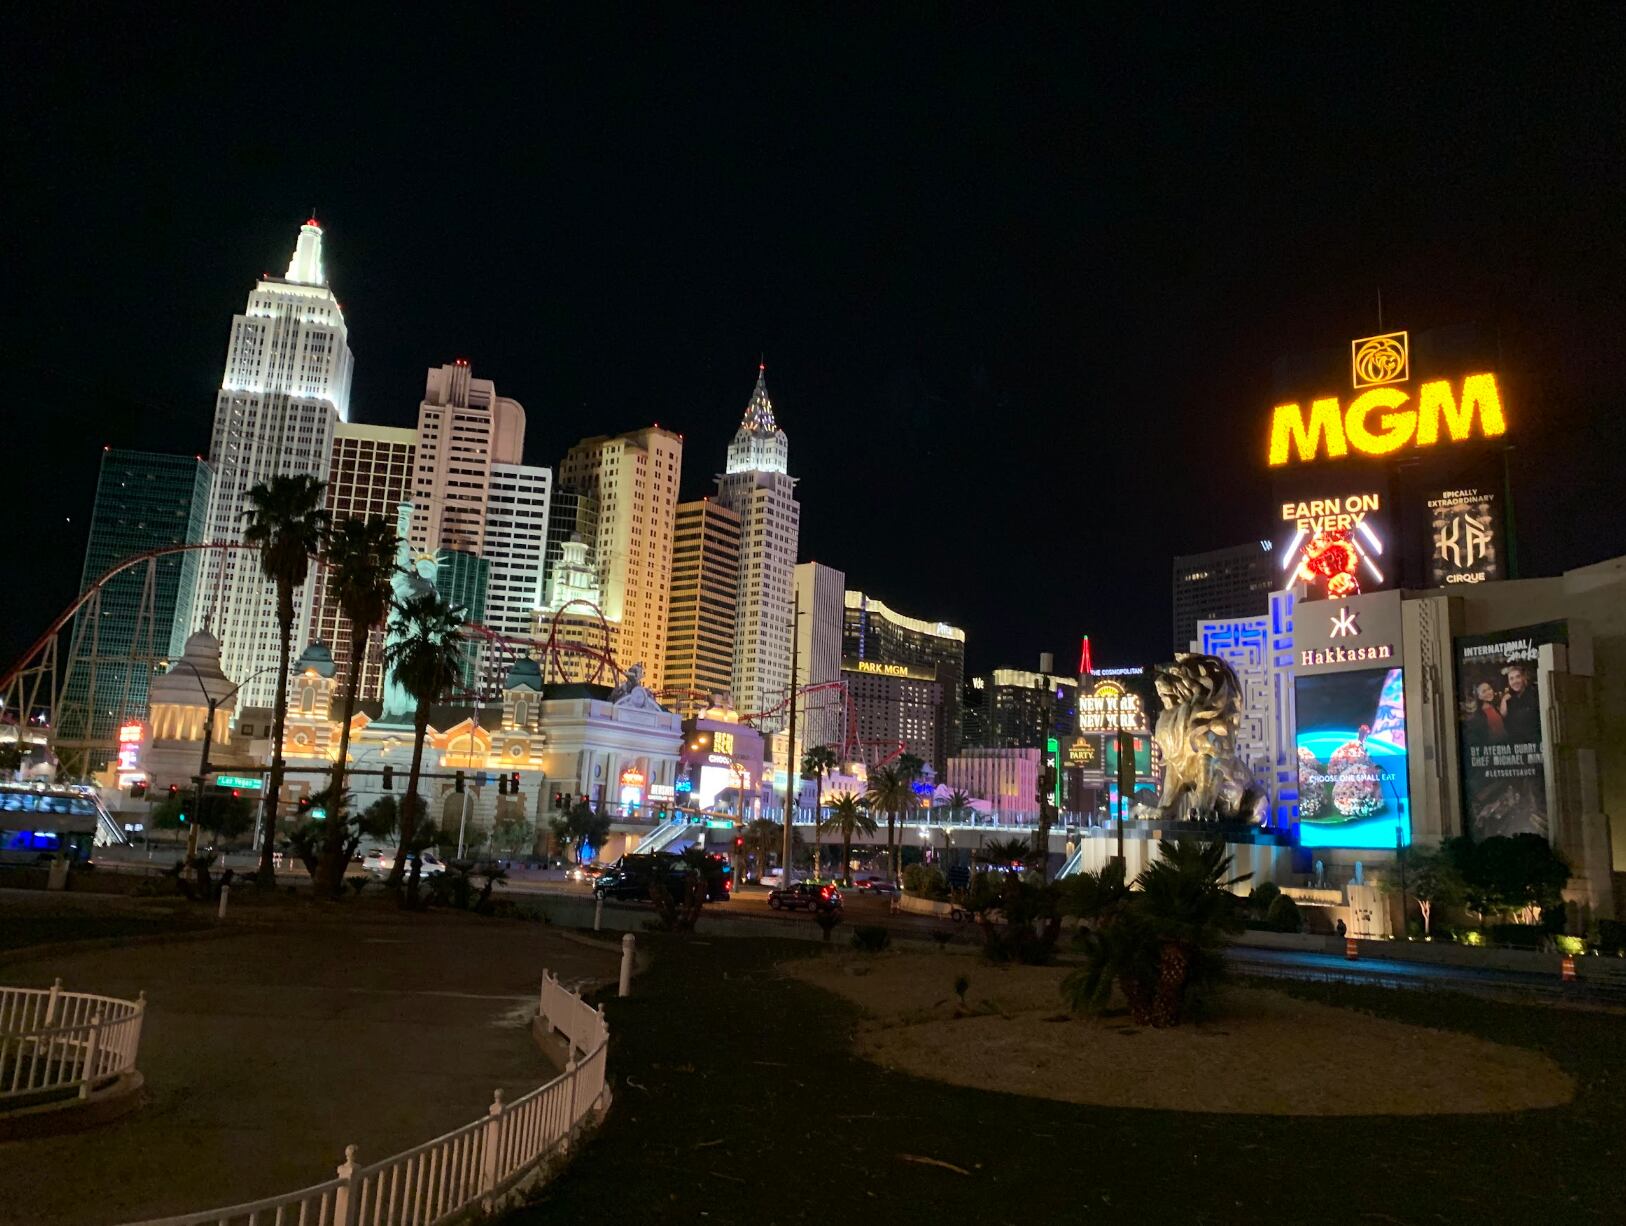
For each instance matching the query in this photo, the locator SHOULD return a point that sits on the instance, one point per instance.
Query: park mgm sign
(1384, 417)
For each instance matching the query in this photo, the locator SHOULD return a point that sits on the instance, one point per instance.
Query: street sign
(248, 782)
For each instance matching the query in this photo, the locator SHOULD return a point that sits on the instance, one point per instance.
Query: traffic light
(502, 785)
(138, 790)
(457, 784)
(389, 778)
(174, 789)
(739, 843)
(513, 784)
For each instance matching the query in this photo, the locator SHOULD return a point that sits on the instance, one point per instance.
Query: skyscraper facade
(875, 635)
(370, 475)
(1218, 585)
(758, 488)
(144, 501)
(464, 428)
(820, 592)
(701, 612)
(285, 388)
(516, 537)
(1022, 709)
(633, 481)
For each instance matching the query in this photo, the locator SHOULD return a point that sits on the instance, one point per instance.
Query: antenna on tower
(1380, 308)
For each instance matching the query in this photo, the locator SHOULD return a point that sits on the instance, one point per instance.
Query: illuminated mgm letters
(1382, 420)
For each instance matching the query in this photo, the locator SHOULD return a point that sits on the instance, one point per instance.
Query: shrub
(912, 876)
(1521, 936)
(1283, 915)
(1611, 938)
(870, 938)
(827, 920)
(1263, 895)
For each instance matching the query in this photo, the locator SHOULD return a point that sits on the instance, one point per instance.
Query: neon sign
(1382, 420)
(132, 737)
(1110, 707)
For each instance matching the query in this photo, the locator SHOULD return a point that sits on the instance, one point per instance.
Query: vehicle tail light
(825, 893)
(728, 885)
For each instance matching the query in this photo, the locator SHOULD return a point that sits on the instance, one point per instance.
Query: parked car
(814, 895)
(878, 885)
(381, 862)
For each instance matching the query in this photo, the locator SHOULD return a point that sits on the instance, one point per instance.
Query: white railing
(471, 1167)
(53, 1041)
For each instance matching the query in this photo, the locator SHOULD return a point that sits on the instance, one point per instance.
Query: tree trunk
(1425, 907)
(279, 726)
(891, 847)
(1174, 967)
(846, 857)
(1140, 1000)
(409, 805)
(330, 874)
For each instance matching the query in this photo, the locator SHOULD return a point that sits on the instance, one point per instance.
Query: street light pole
(212, 705)
(790, 748)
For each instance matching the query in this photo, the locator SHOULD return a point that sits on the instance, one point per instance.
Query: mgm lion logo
(1203, 778)
(1376, 360)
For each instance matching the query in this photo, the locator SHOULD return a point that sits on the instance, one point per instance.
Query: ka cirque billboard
(1504, 783)
(1466, 538)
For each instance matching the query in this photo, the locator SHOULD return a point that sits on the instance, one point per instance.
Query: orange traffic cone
(1566, 969)
(1351, 950)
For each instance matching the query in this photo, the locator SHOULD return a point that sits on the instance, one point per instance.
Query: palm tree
(360, 557)
(818, 762)
(425, 654)
(763, 837)
(286, 521)
(849, 816)
(893, 793)
(1004, 853)
(957, 803)
(911, 766)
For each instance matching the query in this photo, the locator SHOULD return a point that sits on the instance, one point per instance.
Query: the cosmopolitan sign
(1385, 418)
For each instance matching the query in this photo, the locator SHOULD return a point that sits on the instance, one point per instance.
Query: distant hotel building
(286, 386)
(1220, 584)
(700, 625)
(1021, 709)
(517, 507)
(877, 640)
(370, 475)
(898, 708)
(757, 486)
(821, 594)
(144, 501)
(633, 480)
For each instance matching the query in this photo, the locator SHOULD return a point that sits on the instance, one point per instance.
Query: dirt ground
(1258, 1051)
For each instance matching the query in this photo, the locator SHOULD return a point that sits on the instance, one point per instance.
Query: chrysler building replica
(285, 388)
(761, 492)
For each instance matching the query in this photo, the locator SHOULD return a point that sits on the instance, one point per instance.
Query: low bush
(1283, 915)
(1520, 936)
(1611, 937)
(1261, 897)
(870, 938)
(924, 881)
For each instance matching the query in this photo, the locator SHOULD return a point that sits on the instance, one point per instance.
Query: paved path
(266, 1052)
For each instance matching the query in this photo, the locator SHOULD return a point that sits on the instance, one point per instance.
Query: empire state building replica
(285, 387)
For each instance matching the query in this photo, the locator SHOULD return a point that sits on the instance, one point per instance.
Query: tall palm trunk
(279, 726)
(891, 846)
(409, 810)
(846, 855)
(331, 871)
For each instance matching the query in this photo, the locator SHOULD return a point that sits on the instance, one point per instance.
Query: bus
(40, 821)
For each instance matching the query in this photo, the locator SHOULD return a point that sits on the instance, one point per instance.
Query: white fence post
(50, 1004)
(570, 1115)
(93, 1042)
(489, 1150)
(628, 944)
(225, 894)
(598, 914)
(344, 1195)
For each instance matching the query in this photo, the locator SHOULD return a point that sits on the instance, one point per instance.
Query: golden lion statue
(1203, 778)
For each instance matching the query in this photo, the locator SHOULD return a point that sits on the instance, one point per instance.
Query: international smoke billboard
(1504, 784)
(1351, 741)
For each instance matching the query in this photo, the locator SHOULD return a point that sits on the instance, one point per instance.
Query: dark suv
(814, 895)
(629, 878)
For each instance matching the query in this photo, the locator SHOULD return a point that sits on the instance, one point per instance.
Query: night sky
(1019, 281)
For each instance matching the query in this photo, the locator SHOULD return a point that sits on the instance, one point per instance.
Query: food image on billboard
(1332, 537)
(1351, 742)
(1466, 538)
(1504, 783)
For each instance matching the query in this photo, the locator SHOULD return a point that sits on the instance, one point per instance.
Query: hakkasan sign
(1385, 418)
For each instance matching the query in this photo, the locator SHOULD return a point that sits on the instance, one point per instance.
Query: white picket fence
(53, 1042)
(467, 1168)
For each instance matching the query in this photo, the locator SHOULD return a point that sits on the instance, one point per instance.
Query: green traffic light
(318, 815)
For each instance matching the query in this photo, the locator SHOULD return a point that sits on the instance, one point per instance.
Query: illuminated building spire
(306, 266)
(759, 445)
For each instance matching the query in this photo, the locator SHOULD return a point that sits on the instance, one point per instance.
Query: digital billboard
(1467, 543)
(1504, 783)
(1351, 742)
(1333, 533)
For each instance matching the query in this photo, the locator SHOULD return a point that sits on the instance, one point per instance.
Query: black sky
(1019, 279)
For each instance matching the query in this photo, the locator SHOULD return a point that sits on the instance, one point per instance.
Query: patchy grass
(740, 1099)
(21, 931)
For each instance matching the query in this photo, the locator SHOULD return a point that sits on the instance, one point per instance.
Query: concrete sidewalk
(268, 1051)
